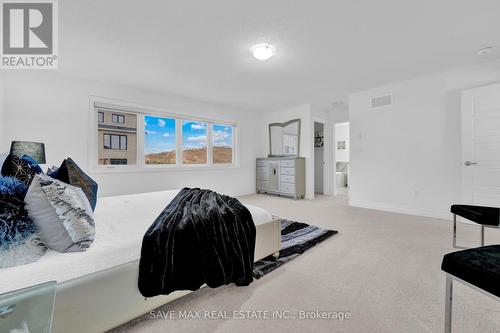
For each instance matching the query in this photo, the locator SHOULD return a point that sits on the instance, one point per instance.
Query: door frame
(334, 155)
(327, 179)
(466, 106)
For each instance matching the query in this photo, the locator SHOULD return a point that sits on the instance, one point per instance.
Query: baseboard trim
(444, 215)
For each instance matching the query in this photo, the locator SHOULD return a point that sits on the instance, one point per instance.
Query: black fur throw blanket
(201, 237)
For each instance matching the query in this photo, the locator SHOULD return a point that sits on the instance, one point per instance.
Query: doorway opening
(342, 158)
(319, 158)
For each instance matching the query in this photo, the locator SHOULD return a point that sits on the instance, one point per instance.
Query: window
(118, 118)
(117, 142)
(159, 143)
(113, 141)
(147, 140)
(118, 161)
(222, 143)
(194, 142)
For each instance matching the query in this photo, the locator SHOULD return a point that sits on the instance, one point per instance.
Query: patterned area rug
(296, 238)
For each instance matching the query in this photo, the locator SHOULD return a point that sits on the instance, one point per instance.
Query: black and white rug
(296, 238)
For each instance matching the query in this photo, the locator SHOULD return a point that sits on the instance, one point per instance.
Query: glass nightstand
(29, 309)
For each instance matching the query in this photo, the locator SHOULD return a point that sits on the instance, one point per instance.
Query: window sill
(147, 169)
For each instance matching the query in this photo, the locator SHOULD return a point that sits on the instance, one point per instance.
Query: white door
(481, 146)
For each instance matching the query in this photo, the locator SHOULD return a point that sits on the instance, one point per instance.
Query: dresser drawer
(262, 170)
(287, 188)
(287, 171)
(288, 163)
(262, 163)
(287, 179)
(262, 185)
(262, 176)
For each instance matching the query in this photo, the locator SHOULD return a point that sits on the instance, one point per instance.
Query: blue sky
(160, 134)
(222, 135)
(194, 134)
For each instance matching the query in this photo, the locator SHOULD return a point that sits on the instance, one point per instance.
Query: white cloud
(198, 139)
(221, 135)
(166, 134)
(150, 132)
(198, 126)
(161, 122)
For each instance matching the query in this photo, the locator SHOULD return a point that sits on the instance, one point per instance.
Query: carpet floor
(383, 268)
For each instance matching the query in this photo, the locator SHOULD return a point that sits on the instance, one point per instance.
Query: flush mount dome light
(263, 51)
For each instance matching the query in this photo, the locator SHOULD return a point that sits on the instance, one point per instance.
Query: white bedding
(121, 222)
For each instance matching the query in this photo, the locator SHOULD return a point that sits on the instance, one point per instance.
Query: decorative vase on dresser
(282, 175)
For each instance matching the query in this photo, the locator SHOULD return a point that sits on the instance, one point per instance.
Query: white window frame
(140, 111)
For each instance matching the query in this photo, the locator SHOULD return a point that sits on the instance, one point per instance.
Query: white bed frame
(98, 302)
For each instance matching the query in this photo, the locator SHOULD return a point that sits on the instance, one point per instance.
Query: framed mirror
(284, 138)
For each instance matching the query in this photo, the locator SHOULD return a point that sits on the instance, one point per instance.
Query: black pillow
(70, 173)
(24, 168)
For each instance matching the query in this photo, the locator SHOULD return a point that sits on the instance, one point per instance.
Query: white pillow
(62, 213)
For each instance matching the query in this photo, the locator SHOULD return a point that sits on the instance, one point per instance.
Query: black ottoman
(478, 268)
(484, 216)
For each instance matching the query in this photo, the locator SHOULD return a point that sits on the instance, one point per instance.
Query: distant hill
(161, 158)
(192, 156)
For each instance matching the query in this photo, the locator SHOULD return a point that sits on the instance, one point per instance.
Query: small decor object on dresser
(62, 213)
(70, 173)
(23, 168)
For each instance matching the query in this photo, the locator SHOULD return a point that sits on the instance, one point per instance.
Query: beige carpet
(384, 268)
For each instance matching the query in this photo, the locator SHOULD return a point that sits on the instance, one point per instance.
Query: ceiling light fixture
(263, 51)
(485, 51)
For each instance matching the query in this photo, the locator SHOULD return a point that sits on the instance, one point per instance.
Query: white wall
(342, 134)
(3, 144)
(407, 157)
(302, 112)
(53, 108)
(339, 112)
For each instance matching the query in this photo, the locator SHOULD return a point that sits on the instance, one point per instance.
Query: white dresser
(282, 175)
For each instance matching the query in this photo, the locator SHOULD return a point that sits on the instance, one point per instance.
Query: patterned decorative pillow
(62, 213)
(23, 168)
(70, 173)
(19, 241)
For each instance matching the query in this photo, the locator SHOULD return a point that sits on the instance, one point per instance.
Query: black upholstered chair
(478, 268)
(484, 216)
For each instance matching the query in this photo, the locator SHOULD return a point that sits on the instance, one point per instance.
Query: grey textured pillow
(62, 213)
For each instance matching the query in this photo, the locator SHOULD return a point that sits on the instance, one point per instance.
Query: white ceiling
(325, 49)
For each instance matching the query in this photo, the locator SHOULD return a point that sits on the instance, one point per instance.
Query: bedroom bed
(97, 290)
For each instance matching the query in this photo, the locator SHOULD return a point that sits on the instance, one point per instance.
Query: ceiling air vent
(380, 101)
